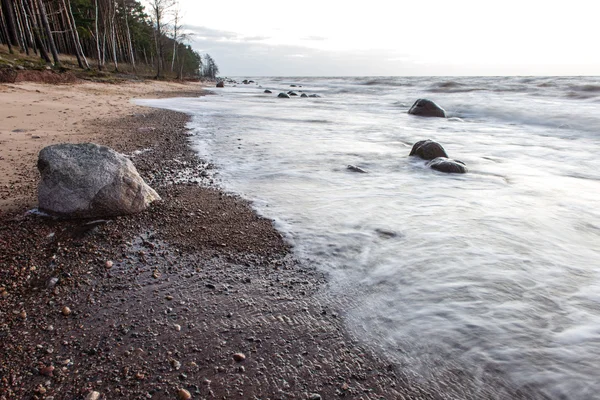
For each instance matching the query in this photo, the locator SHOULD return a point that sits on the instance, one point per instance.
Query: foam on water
(494, 273)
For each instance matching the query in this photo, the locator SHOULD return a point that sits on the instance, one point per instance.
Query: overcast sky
(374, 37)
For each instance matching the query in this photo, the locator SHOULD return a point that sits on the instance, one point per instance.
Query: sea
(477, 285)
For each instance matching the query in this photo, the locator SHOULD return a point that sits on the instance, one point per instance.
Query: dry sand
(35, 115)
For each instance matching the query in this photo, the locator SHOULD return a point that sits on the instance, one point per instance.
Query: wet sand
(146, 305)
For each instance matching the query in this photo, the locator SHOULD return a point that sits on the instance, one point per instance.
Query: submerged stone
(448, 165)
(427, 108)
(428, 150)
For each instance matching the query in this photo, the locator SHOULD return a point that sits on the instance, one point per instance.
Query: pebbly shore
(197, 295)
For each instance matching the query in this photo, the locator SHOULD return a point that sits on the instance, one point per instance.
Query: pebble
(175, 364)
(23, 315)
(239, 357)
(92, 396)
(66, 311)
(109, 264)
(314, 396)
(183, 394)
(177, 327)
(169, 297)
(47, 371)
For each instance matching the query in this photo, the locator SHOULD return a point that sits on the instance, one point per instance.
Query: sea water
(478, 284)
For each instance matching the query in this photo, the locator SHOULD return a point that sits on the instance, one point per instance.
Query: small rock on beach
(183, 394)
(93, 396)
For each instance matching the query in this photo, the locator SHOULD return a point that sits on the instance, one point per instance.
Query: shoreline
(195, 279)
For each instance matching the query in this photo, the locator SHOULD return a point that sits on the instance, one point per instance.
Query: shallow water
(494, 273)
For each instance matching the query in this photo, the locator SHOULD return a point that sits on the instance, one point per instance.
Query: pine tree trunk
(98, 40)
(25, 24)
(75, 34)
(157, 42)
(46, 26)
(174, 51)
(114, 37)
(21, 29)
(28, 28)
(5, 33)
(74, 39)
(36, 33)
(131, 56)
(11, 26)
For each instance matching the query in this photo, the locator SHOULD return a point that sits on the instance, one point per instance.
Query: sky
(386, 38)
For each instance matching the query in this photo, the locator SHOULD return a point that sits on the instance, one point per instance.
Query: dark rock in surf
(221, 84)
(267, 91)
(245, 81)
(283, 95)
(303, 95)
(428, 150)
(293, 86)
(292, 93)
(448, 165)
(427, 108)
(313, 95)
(354, 168)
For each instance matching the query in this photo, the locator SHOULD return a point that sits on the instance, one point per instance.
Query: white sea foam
(494, 273)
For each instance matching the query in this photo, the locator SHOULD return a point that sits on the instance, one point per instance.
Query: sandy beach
(35, 115)
(196, 294)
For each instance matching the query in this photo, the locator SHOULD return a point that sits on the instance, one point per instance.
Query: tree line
(104, 34)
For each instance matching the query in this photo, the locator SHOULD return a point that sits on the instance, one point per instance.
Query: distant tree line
(109, 32)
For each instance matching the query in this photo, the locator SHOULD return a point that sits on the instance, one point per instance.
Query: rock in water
(283, 95)
(267, 91)
(444, 164)
(427, 108)
(354, 168)
(221, 84)
(87, 180)
(428, 150)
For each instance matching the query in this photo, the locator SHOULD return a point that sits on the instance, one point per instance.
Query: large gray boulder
(448, 165)
(87, 180)
(427, 108)
(428, 150)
